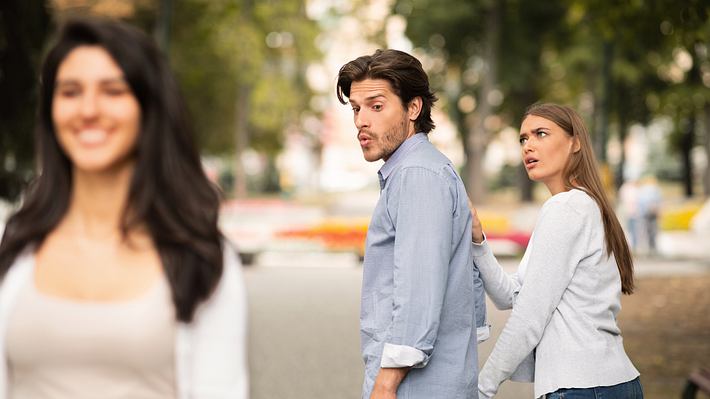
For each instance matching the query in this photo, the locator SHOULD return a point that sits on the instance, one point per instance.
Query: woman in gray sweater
(567, 290)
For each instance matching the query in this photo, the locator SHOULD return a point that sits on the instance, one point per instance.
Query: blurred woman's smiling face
(95, 114)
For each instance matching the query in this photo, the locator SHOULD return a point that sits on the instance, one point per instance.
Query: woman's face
(95, 114)
(545, 150)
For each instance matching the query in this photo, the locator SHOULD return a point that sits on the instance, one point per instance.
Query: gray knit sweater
(565, 298)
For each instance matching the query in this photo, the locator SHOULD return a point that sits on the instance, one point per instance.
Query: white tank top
(59, 348)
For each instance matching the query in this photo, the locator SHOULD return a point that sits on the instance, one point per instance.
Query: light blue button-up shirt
(420, 287)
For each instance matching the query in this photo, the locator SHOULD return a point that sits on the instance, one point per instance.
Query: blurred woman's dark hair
(404, 73)
(169, 191)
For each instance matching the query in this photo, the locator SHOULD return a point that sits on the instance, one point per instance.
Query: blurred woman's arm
(211, 351)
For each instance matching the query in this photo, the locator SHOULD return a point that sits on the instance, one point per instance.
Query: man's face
(381, 120)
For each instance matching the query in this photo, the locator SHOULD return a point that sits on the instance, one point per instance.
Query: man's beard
(394, 137)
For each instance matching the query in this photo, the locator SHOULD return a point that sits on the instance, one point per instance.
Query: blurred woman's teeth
(92, 136)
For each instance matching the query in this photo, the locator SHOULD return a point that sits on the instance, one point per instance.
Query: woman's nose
(89, 105)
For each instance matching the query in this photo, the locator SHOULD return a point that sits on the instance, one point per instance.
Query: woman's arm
(559, 243)
(500, 286)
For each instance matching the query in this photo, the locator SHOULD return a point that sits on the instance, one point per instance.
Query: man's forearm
(387, 382)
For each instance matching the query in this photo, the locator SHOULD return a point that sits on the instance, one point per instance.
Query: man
(418, 309)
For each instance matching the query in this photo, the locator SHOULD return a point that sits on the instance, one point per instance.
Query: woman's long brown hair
(582, 173)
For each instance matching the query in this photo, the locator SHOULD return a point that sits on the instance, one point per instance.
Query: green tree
(242, 65)
(488, 65)
(686, 98)
(624, 55)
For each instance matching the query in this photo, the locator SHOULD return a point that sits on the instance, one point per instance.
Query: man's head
(391, 100)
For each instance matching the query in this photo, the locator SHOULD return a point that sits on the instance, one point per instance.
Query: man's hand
(476, 228)
(387, 382)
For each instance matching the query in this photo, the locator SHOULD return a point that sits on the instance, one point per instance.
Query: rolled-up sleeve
(421, 206)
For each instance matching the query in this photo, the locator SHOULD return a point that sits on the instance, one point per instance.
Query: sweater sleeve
(217, 367)
(559, 244)
(500, 286)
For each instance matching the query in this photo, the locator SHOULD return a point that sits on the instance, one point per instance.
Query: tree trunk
(686, 145)
(241, 114)
(474, 166)
(602, 109)
(241, 139)
(24, 26)
(623, 126)
(706, 126)
(478, 135)
(525, 185)
(163, 25)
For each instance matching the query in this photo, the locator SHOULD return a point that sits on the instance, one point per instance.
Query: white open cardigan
(210, 352)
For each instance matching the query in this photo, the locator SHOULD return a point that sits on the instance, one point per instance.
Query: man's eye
(377, 107)
(356, 109)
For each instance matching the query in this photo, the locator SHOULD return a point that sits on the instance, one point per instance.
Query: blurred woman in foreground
(567, 290)
(115, 279)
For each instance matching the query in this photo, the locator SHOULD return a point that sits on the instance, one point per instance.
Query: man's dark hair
(404, 73)
(169, 191)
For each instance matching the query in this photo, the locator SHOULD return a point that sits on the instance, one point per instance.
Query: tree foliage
(219, 45)
(617, 62)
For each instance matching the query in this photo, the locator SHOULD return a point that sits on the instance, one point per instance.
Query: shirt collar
(398, 155)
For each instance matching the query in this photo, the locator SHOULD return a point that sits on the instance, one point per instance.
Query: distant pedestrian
(566, 292)
(115, 281)
(649, 205)
(629, 204)
(420, 290)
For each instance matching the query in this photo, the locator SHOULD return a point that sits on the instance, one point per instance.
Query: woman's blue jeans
(626, 390)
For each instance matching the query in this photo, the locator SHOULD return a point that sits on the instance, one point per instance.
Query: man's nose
(361, 120)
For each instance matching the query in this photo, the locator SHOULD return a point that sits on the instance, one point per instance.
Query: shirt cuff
(480, 249)
(483, 333)
(398, 356)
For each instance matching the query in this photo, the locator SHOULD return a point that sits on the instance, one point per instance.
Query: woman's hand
(477, 228)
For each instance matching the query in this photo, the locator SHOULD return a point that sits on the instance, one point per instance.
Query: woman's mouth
(92, 137)
(530, 163)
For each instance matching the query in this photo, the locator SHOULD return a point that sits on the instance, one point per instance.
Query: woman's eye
(523, 140)
(541, 133)
(116, 91)
(68, 92)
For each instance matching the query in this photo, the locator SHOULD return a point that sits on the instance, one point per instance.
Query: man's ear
(414, 108)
